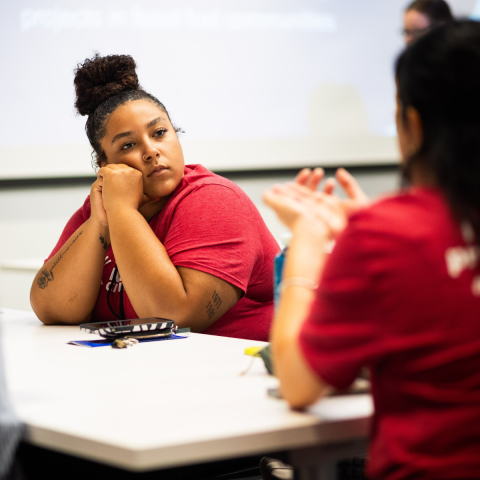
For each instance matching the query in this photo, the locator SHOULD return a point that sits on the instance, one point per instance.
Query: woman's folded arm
(155, 286)
(65, 289)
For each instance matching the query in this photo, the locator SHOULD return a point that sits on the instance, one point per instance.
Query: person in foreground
(400, 293)
(155, 238)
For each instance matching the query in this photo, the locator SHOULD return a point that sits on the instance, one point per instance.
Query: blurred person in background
(421, 15)
(400, 292)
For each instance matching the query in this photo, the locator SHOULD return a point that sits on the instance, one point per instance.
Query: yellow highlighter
(253, 351)
(264, 353)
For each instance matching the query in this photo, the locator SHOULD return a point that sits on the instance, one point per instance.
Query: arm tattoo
(103, 242)
(213, 305)
(46, 275)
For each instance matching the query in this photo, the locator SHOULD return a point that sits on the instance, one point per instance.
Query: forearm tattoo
(103, 242)
(213, 305)
(47, 275)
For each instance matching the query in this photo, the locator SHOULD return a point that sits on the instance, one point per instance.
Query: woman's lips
(158, 171)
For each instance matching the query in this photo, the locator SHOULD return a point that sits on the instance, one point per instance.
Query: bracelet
(298, 282)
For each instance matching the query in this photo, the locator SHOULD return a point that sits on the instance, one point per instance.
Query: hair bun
(99, 78)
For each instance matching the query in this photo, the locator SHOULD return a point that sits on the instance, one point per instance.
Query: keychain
(124, 342)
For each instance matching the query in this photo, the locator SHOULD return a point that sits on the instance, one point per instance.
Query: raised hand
(322, 212)
(312, 179)
(356, 197)
(298, 206)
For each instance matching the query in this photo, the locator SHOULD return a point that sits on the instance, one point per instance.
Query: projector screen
(255, 84)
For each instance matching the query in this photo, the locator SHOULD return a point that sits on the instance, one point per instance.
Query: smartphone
(141, 328)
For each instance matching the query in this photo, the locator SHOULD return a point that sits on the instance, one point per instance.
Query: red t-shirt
(400, 295)
(208, 224)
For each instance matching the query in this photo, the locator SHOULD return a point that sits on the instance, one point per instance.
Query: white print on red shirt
(118, 282)
(107, 261)
(459, 258)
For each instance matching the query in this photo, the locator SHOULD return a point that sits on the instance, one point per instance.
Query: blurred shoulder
(411, 211)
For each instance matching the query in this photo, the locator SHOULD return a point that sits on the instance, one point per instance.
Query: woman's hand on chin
(122, 187)
(98, 213)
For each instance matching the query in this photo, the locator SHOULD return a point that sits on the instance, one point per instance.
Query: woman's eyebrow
(127, 134)
(121, 135)
(154, 121)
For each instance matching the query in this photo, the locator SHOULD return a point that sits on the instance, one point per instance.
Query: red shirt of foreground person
(400, 293)
(420, 338)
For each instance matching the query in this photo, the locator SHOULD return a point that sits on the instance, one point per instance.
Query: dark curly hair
(439, 75)
(102, 84)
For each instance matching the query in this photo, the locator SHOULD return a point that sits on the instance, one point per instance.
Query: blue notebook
(105, 343)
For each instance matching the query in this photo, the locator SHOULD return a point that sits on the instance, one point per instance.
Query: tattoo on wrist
(103, 242)
(47, 275)
(213, 305)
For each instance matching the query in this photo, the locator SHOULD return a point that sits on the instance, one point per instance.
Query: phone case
(140, 328)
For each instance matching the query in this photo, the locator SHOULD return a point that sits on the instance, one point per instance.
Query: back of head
(439, 75)
(437, 11)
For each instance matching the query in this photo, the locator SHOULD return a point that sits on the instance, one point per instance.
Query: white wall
(32, 219)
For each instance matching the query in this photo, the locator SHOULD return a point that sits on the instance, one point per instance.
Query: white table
(164, 404)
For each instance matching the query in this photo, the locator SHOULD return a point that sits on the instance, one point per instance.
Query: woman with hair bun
(155, 238)
(400, 292)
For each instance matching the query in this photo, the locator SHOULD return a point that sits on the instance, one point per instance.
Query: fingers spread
(350, 185)
(322, 211)
(310, 178)
(302, 176)
(315, 178)
(329, 186)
